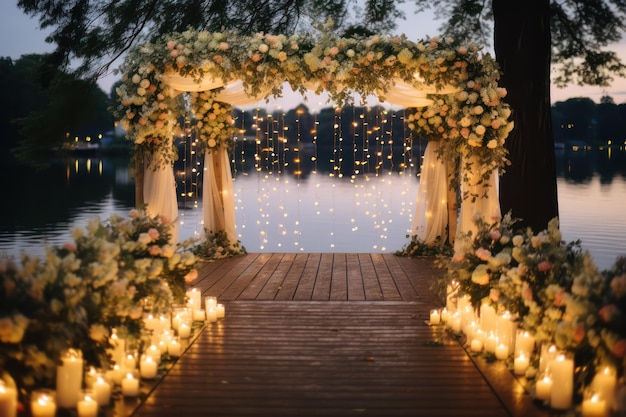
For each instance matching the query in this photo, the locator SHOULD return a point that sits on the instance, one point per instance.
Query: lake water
(315, 211)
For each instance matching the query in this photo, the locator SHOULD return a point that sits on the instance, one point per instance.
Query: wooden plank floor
(329, 335)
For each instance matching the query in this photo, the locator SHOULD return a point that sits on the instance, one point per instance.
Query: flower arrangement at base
(107, 277)
(416, 248)
(218, 246)
(552, 288)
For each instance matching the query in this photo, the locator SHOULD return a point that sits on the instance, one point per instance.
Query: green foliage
(580, 30)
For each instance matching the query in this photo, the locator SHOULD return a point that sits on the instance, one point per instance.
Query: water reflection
(287, 199)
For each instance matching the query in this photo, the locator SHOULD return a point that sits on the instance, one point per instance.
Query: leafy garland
(474, 121)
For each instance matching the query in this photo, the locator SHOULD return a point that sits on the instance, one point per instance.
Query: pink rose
(527, 293)
(334, 51)
(155, 250)
(607, 313)
(256, 57)
(495, 235)
(544, 266)
(483, 254)
(494, 294)
(579, 334)
(559, 299)
(171, 45)
(619, 349)
(153, 233)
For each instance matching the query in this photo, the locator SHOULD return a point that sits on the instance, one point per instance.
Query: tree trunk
(523, 49)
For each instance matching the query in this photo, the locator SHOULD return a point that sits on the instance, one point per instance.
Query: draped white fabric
(431, 210)
(218, 200)
(235, 94)
(182, 83)
(486, 205)
(159, 193)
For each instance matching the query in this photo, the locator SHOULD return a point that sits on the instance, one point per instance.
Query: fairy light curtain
(455, 85)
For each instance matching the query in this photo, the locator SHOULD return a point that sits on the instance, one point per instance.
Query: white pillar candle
(487, 318)
(130, 362)
(130, 386)
(521, 363)
(150, 322)
(69, 378)
(211, 314)
(198, 314)
(210, 301)
(174, 347)
(101, 391)
(524, 342)
(594, 406)
(476, 345)
(164, 323)
(184, 331)
(116, 374)
(220, 310)
(90, 376)
(604, 383)
(194, 298)
(87, 406)
(502, 351)
(155, 353)
(8, 400)
(543, 388)
(444, 315)
(435, 317)
(147, 367)
(548, 352)
(505, 330)
(42, 404)
(118, 347)
(491, 341)
(562, 371)
(162, 345)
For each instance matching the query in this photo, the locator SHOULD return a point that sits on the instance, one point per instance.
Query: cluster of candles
(87, 391)
(497, 333)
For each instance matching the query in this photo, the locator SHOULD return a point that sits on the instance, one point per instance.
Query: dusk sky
(20, 35)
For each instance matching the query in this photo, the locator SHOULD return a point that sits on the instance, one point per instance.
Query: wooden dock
(330, 335)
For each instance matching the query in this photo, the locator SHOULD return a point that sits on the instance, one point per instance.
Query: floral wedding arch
(451, 92)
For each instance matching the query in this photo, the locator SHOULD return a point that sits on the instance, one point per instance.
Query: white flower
(97, 332)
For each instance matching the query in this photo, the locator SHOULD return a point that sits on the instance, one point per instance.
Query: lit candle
(548, 352)
(42, 404)
(118, 347)
(211, 314)
(502, 351)
(604, 383)
(487, 318)
(90, 376)
(194, 298)
(151, 322)
(130, 386)
(155, 353)
(148, 367)
(69, 378)
(220, 310)
(562, 370)
(476, 345)
(505, 330)
(491, 341)
(184, 331)
(435, 317)
(8, 400)
(198, 314)
(524, 342)
(543, 388)
(520, 364)
(594, 406)
(116, 374)
(444, 315)
(164, 323)
(210, 301)
(101, 391)
(87, 406)
(130, 363)
(173, 347)
(456, 323)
